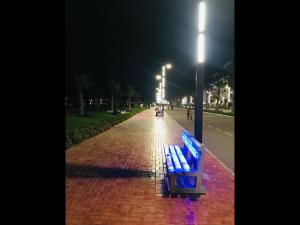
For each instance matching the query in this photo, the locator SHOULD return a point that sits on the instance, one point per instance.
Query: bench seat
(184, 165)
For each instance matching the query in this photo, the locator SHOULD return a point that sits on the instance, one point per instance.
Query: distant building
(225, 96)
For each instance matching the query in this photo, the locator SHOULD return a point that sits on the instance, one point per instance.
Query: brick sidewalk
(117, 178)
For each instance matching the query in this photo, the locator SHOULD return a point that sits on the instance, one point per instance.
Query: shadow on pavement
(88, 171)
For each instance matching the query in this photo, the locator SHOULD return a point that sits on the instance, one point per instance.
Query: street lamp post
(163, 88)
(198, 123)
(164, 67)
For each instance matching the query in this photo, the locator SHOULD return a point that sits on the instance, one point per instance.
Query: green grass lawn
(73, 121)
(79, 128)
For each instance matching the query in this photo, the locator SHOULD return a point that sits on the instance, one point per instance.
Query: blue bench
(183, 166)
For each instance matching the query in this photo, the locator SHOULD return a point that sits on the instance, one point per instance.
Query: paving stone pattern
(117, 178)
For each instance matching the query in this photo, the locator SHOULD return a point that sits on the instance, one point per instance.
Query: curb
(216, 158)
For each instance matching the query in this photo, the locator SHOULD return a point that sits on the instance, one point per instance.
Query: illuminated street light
(163, 96)
(158, 77)
(200, 52)
(201, 22)
(169, 66)
(198, 122)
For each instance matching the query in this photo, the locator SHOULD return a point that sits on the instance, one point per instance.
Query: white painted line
(231, 135)
(220, 130)
(215, 157)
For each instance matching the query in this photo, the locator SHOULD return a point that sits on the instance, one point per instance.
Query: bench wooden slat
(176, 162)
(182, 159)
(189, 145)
(169, 162)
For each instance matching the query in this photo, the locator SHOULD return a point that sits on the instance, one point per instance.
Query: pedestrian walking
(188, 112)
(156, 111)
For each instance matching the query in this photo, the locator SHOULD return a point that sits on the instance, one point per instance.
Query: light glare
(202, 8)
(200, 48)
(158, 77)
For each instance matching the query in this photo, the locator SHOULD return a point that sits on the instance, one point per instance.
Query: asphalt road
(218, 133)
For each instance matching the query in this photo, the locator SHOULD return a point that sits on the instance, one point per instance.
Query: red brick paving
(117, 178)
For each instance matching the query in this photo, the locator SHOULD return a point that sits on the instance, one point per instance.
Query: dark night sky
(129, 40)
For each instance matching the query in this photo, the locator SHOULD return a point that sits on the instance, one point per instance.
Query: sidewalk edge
(216, 158)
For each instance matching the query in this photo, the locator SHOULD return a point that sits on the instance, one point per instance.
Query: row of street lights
(160, 95)
(161, 90)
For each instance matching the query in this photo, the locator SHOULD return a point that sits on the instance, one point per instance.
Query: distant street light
(198, 123)
(161, 89)
(169, 66)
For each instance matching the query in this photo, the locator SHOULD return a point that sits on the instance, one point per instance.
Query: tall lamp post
(198, 123)
(158, 94)
(164, 67)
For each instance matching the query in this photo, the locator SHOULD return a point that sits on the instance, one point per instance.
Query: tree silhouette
(130, 93)
(83, 83)
(115, 88)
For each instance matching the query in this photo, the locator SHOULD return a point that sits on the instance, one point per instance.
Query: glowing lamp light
(202, 9)
(200, 54)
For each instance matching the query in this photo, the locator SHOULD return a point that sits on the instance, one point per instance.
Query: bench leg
(199, 187)
(172, 183)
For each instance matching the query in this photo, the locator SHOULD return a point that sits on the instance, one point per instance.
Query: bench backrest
(192, 149)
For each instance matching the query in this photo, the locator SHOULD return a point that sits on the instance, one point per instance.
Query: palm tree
(115, 88)
(83, 83)
(130, 93)
(137, 96)
(99, 93)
